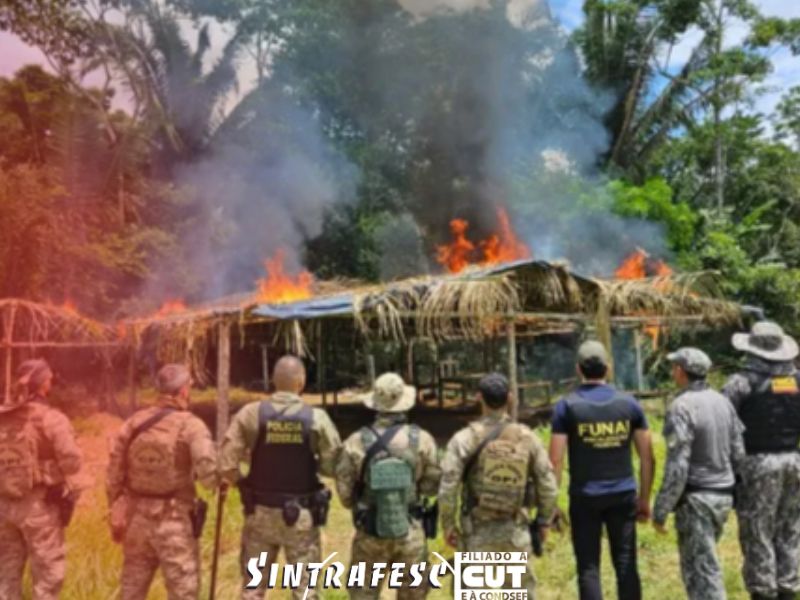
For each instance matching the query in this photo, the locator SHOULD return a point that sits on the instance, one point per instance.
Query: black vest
(771, 413)
(282, 460)
(599, 439)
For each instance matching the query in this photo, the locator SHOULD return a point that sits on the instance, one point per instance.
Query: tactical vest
(599, 439)
(497, 482)
(389, 485)
(771, 413)
(282, 460)
(19, 451)
(157, 464)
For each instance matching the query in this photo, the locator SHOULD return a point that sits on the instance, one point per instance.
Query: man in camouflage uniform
(391, 399)
(156, 458)
(40, 467)
(766, 395)
(496, 518)
(704, 448)
(288, 444)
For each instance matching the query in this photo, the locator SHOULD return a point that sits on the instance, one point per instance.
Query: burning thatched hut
(29, 329)
(527, 298)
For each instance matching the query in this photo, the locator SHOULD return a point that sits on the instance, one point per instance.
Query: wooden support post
(371, 369)
(321, 364)
(223, 378)
(511, 336)
(637, 340)
(8, 340)
(602, 325)
(265, 366)
(132, 402)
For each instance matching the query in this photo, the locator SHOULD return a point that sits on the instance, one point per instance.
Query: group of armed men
(734, 449)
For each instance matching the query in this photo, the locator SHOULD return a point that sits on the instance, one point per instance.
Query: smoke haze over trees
(364, 126)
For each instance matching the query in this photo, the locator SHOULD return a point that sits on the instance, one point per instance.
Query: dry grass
(94, 561)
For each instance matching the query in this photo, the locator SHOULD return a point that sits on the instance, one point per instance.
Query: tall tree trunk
(719, 159)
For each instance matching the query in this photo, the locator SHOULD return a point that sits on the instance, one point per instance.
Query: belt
(699, 489)
(278, 500)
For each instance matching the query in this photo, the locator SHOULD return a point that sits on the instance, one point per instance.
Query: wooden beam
(223, 378)
(511, 336)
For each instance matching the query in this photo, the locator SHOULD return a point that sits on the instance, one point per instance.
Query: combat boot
(787, 595)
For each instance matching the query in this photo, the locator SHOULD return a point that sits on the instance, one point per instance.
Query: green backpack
(389, 482)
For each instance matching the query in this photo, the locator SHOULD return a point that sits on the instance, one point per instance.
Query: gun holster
(198, 516)
(57, 495)
(430, 518)
(536, 537)
(320, 505)
(247, 497)
(291, 512)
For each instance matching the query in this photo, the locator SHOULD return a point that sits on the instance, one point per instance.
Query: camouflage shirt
(59, 457)
(704, 446)
(348, 469)
(241, 436)
(196, 454)
(737, 388)
(463, 445)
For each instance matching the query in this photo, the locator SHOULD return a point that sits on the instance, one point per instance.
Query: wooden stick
(511, 335)
(223, 378)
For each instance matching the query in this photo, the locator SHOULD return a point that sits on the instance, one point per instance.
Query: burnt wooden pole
(265, 366)
(223, 377)
(511, 335)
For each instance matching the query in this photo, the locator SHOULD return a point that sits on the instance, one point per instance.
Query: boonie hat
(692, 360)
(390, 394)
(768, 341)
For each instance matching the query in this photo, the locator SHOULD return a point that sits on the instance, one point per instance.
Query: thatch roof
(26, 324)
(471, 304)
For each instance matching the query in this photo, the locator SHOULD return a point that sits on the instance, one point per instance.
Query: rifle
(221, 496)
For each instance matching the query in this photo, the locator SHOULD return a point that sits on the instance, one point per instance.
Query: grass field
(94, 561)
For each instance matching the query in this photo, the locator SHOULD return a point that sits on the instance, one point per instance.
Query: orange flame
(639, 265)
(278, 286)
(171, 307)
(499, 247)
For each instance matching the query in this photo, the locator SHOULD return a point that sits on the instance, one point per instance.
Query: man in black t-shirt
(596, 424)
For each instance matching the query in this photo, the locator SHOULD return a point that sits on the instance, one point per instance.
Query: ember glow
(278, 286)
(499, 247)
(171, 307)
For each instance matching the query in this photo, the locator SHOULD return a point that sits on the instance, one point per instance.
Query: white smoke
(523, 14)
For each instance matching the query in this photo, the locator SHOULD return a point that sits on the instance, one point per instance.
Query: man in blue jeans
(597, 425)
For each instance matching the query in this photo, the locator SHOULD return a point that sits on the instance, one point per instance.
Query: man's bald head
(289, 375)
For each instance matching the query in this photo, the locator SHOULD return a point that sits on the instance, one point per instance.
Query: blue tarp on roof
(307, 309)
(342, 304)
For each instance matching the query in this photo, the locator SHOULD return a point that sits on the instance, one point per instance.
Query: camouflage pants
(159, 534)
(370, 550)
(699, 520)
(768, 508)
(491, 536)
(30, 529)
(265, 531)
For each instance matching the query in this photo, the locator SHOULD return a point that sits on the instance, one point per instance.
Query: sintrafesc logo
(476, 575)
